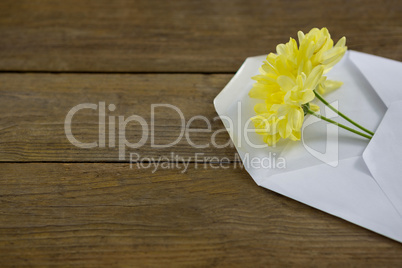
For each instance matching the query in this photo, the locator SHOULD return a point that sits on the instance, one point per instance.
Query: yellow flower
(287, 81)
(283, 117)
(266, 125)
(300, 91)
(318, 47)
(328, 86)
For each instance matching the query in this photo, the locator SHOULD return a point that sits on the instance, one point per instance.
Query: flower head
(287, 81)
(318, 47)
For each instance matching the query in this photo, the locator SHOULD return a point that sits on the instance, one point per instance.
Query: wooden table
(64, 205)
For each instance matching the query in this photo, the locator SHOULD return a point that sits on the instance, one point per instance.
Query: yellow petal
(314, 77)
(285, 82)
(333, 54)
(296, 118)
(314, 108)
(271, 139)
(281, 49)
(266, 69)
(307, 96)
(258, 92)
(330, 85)
(300, 35)
(295, 136)
(264, 79)
(284, 128)
(260, 108)
(341, 42)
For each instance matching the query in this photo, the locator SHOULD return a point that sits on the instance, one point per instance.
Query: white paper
(383, 155)
(326, 170)
(383, 74)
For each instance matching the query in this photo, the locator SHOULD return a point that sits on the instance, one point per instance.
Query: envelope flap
(383, 155)
(383, 74)
(347, 191)
(233, 90)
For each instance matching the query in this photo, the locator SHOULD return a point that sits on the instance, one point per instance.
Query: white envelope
(331, 169)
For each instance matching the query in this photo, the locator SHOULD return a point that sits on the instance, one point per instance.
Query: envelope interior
(326, 169)
(322, 143)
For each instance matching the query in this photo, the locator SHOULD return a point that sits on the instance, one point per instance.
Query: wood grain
(33, 108)
(180, 36)
(91, 211)
(108, 214)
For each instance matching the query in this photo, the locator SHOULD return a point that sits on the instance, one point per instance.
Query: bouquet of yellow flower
(291, 79)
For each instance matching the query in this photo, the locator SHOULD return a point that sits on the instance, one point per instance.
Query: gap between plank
(108, 72)
(112, 162)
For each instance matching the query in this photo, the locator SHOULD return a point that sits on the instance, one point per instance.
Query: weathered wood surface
(180, 36)
(108, 214)
(102, 213)
(33, 108)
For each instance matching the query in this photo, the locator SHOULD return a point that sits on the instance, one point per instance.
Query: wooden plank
(180, 36)
(109, 214)
(33, 109)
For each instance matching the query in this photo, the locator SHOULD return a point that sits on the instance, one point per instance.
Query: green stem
(341, 114)
(338, 124)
